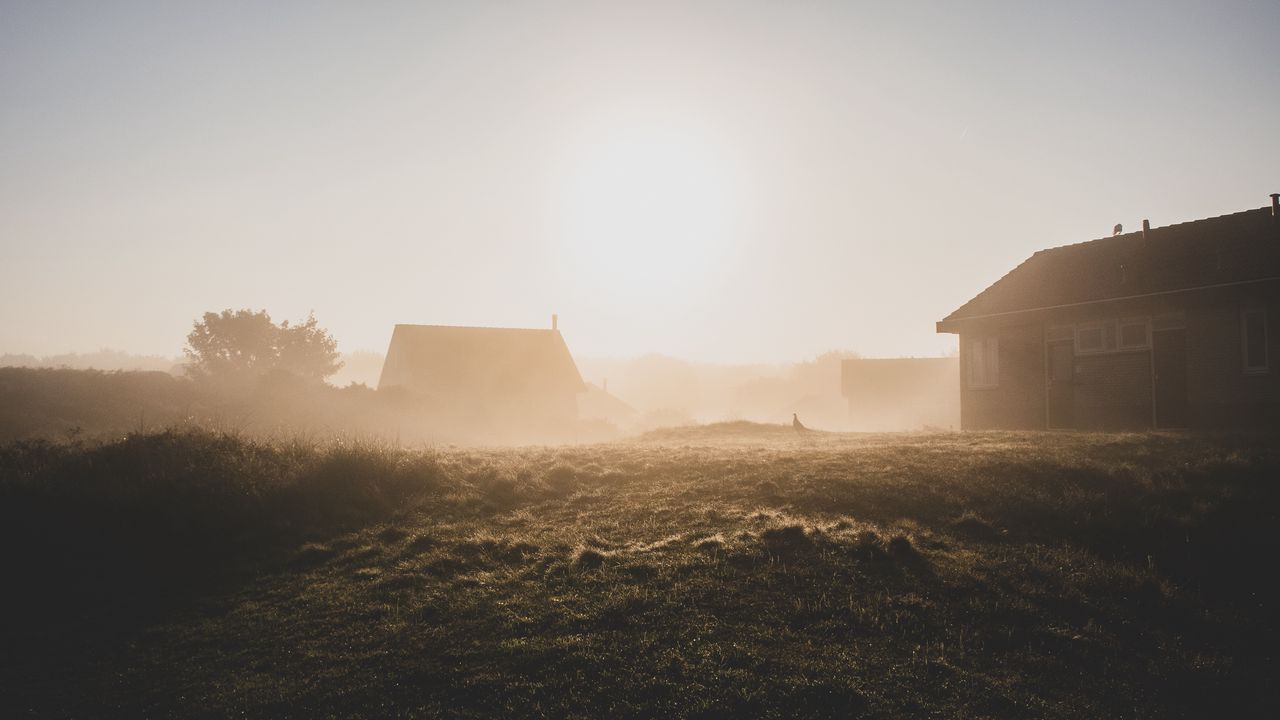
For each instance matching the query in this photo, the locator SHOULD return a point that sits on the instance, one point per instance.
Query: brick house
(1167, 327)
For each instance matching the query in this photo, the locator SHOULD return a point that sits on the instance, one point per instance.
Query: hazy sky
(718, 181)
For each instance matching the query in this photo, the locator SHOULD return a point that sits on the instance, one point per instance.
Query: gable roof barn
(488, 384)
(445, 360)
(597, 403)
(1241, 247)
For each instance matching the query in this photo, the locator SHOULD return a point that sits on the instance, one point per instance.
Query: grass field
(723, 571)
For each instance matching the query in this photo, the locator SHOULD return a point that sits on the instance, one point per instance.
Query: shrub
(166, 510)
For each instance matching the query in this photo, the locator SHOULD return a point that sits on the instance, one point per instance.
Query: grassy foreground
(727, 571)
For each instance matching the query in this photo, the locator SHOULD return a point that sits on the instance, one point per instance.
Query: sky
(718, 181)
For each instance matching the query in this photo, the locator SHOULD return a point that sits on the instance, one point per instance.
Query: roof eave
(953, 324)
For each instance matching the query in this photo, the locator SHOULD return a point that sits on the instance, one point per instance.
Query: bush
(166, 510)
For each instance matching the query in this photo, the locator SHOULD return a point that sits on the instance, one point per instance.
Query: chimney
(1275, 205)
(555, 321)
(1146, 228)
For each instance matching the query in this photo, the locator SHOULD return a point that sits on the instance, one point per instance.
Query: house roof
(596, 402)
(449, 359)
(1228, 249)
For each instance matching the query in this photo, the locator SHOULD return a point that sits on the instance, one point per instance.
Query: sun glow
(649, 209)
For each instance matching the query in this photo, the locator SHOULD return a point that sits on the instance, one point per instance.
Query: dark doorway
(1061, 371)
(1169, 359)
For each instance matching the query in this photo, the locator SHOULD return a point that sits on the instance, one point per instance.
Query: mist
(664, 359)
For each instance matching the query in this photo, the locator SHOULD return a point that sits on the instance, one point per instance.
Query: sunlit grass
(724, 570)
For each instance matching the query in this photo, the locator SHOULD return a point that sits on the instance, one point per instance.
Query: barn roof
(446, 358)
(1241, 247)
(596, 402)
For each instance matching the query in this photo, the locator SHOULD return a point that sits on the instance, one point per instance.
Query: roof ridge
(473, 327)
(1051, 270)
(1138, 233)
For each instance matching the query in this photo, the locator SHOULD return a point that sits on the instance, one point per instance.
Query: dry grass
(710, 572)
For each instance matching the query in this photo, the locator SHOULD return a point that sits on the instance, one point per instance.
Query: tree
(243, 343)
(308, 350)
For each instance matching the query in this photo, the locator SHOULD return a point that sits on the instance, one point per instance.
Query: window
(984, 362)
(1134, 334)
(1255, 341)
(1110, 336)
(1090, 339)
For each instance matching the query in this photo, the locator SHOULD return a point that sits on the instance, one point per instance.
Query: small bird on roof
(796, 424)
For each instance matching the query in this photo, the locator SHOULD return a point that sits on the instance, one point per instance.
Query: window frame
(1111, 335)
(1146, 336)
(1265, 367)
(1101, 327)
(989, 348)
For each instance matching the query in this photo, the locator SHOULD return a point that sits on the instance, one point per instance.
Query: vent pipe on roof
(555, 321)
(1275, 205)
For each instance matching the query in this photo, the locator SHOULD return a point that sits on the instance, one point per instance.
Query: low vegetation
(722, 571)
(93, 406)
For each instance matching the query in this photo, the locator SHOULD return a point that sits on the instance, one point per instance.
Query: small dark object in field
(588, 558)
(797, 425)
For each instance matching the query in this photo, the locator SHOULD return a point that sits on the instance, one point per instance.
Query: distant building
(901, 393)
(1167, 327)
(513, 382)
(597, 404)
